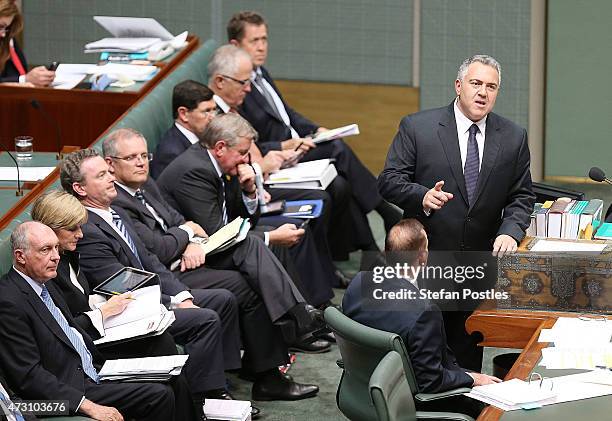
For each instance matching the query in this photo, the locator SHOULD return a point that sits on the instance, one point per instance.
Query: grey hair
(70, 169)
(225, 60)
(480, 58)
(228, 127)
(109, 144)
(19, 237)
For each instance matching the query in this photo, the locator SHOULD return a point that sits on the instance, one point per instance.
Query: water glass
(24, 147)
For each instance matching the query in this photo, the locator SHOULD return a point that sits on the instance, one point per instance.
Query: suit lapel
(108, 230)
(492, 148)
(447, 133)
(40, 308)
(262, 102)
(181, 137)
(159, 208)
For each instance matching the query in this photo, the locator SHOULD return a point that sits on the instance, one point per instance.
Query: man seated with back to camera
(418, 321)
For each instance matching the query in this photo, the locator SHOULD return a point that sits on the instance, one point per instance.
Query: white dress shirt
(463, 127)
(191, 136)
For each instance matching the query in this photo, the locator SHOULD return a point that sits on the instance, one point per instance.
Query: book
(230, 410)
(604, 232)
(344, 131)
(555, 217)
(541, 219)
(590, 218)
(315, 175)
(306, 209)
(572, 222)
(531, 229)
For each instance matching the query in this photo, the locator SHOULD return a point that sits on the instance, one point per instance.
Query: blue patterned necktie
(140, 196)
(223, 205)
(76, 342)
(472, 164)
(119, 224)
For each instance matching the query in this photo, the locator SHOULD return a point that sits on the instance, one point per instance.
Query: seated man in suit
(417, 321)
(206, 320)
(249, 270)
(282, 128)
(46, 355)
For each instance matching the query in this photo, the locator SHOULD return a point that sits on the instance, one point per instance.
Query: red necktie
(15, 60)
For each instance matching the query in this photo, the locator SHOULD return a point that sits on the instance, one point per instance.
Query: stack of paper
(146, 369)
(305, 175)
(126, 71)
(121, 45)
(224, 238)
(512, 393)
(144, 316)
(350, 130)
(231, 410)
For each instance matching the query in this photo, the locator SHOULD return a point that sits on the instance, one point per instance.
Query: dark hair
(70, 169)
(189, 94)
(236, 24)
(9, 8)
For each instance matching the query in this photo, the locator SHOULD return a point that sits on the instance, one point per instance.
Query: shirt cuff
(96, 320)
(179, 298)
(267, 238)
(22, 79)
(251, 204)
(80, 403)
(188, 230)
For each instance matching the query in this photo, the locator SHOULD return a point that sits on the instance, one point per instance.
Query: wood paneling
(377, 109)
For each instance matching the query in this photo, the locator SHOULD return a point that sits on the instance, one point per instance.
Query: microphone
(38, 106)
(259, 185)
(19, 192)
(597, 174)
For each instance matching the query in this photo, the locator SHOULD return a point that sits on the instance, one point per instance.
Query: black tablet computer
(125, 280)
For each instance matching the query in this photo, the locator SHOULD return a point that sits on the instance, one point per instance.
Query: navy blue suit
(172, 144)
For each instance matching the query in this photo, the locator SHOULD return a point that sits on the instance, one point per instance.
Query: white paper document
(155, 367)
(121, 45)
(231, 410)
(568, 246)
(350, 130)
(131, 27)
(25, 173)
(129, 71)
(305, 175)
(145, 303)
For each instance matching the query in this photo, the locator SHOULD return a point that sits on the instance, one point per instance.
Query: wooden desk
(82, 115)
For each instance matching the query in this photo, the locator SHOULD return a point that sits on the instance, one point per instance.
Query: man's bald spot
(406, 235)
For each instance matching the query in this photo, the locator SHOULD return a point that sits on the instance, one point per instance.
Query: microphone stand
(37, 105)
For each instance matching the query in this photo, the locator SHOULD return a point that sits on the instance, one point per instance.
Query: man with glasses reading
(469, 183)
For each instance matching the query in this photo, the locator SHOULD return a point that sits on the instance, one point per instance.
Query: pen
(298, 147)
(118, 293)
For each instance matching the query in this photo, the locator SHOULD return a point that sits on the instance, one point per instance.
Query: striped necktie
(140, 197)
(76, 342)
(223, 205)
(5, 404)
(128, 238)
(472, 164)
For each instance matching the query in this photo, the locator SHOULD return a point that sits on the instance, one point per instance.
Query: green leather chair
(392, 398)
(362, 348)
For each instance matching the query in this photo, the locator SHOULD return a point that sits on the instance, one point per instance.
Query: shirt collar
(37, 287)
(215, 163)
(464, 123)
(191, 136)
(129, 190)
(221, 103)
(256, 72)
(102, 213)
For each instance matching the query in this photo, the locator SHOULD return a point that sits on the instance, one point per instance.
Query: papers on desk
(144, 316)
(125, 71)
(226, 237)
(564, 389)
(25, 173)
(231, 410)
(567, 246)
(578, 343)
(350, 130)
(143, 369)
(315, 175)
(121, 45)
(130, 27)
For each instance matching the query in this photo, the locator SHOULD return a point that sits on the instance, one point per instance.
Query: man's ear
(457, 86)
(182, 114)
(78, 188)
(109, 161)
(234, 42)
(220, 147)
(19, 257)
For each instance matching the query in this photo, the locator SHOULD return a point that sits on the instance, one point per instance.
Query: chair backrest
(390, 392)
(362, 348)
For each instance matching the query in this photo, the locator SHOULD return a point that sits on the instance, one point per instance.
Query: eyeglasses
(211, 113)
(245, 82)
(133, 158)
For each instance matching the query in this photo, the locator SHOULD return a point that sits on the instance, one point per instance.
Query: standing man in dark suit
(418, 321)
(463, 171)
(282, 128)
(46, 355)
(206, 320)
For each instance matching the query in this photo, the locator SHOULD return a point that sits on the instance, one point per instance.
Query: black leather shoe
(317, 347)
(252, 377)
(225, 395)
(274, 387)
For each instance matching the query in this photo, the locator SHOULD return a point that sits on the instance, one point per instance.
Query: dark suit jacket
(10, 72)
(417, 321)
(191, 185)
(37, 357)
(270, 128)
(172, 144)
(103, 252)
(166, 245)
(426, 150)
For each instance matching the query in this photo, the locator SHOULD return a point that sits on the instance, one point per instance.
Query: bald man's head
(408, 237)
(35, 251)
